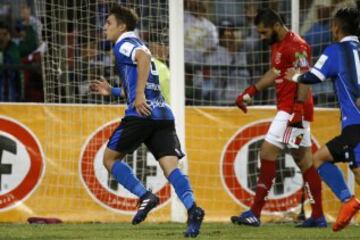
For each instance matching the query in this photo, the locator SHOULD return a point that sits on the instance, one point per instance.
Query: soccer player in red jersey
(291, 125)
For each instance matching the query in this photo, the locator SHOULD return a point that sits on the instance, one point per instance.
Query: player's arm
(143, 60)
(302, 56)
(267, 80)
(245, 97)
(325, 67)
(102, 87)
(305, 78)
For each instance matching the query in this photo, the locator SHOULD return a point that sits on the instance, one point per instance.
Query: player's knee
(317, 160)
(168, 164)
(305, 164)
(269, 151)
(107, 163)
(110, 157)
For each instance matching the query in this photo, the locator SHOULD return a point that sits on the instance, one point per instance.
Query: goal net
(222, 55)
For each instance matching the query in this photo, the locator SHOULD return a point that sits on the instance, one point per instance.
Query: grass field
(170, 231)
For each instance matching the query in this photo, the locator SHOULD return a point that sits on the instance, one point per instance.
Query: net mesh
(223, 55)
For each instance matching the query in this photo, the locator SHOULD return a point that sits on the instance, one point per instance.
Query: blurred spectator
(9, 62)
(312, 13)
(200, 39)
(33, 81)
(26, 18)
(221, 84)
(5, 12)
(201, 36)
(232, 8)
(160, 51)
(318, 36)
(316, 31)
(28, 30)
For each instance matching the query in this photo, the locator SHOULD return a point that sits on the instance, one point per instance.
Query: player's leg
(178, 180)
(125, 139)
(338, 149)
(350, 207)
(331, 174)
(356, 172)
(183, 190)
(312, 182)
(122, 172)
(269, 152)
(165, 146)
(268, 156)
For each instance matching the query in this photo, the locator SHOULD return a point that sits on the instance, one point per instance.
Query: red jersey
(292, 51)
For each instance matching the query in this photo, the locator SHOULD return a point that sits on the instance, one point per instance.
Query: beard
(273, 39)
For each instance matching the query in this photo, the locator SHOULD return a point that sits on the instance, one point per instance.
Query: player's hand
(290, 72)
(101, 87)
(293, 136)
(297, 115)
(358, 102)
(141, 105)
(245, 98)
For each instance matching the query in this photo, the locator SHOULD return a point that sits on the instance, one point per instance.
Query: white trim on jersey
(350, 38)
(357, 64)
(125, 35)
(318, 74)
(126, 48)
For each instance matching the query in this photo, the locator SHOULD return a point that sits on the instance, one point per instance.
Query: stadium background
(51, 149)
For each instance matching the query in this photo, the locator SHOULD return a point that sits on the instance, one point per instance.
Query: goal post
(177, 90)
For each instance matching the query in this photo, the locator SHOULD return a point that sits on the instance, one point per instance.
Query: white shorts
(277, 129)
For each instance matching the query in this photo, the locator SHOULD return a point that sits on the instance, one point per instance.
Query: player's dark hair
(268, 18)
(348, 20)
(125, 15)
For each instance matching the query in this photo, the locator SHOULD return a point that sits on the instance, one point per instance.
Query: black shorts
(346, 146)
(159, 136)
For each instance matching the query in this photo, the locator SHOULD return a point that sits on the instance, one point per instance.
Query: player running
(148, 119)
(291, 125)
(340, 62)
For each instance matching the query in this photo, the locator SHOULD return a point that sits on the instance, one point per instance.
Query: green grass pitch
(172, 231)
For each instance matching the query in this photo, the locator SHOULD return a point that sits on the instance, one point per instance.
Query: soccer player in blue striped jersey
(148, 119)
(341, 63)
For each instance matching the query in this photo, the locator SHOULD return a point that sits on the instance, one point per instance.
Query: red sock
(267, 174)
(313, 182)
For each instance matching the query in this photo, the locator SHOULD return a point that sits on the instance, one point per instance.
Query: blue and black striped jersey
(124, 51)
(340, 62)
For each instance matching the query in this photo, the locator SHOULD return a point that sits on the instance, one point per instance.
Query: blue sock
(125, 176)
(182, 187)
(333, 177)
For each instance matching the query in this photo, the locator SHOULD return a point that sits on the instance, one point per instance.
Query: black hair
(226, 24)
(4, 26)
(268, 17)
(348, 20)
(125, 15)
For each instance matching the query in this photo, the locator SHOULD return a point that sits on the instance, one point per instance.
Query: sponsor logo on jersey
(104, 189)
(126, 48)
(240, 166)
(301, 60)
(320, 63)
(21, 163)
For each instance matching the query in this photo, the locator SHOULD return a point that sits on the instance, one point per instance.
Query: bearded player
(291, 125)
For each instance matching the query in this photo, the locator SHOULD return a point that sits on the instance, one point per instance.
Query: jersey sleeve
(327, 64)
(124, 52)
